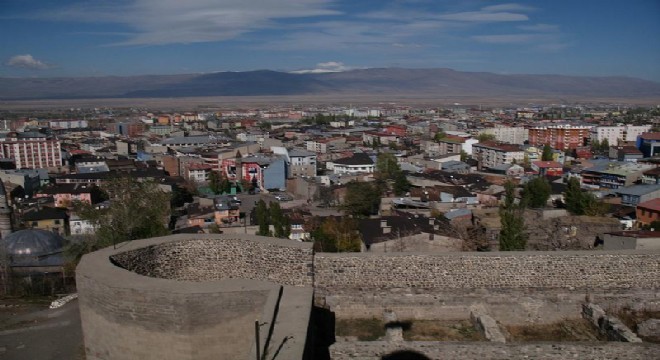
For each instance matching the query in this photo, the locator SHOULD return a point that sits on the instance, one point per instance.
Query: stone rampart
(209, 257)
(182, 297)
(496, 270)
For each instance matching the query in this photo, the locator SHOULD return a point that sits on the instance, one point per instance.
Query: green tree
(262, 217)
(512, 232)
(464, 155)
(337, 236)
(386, 166)
(401, 184)
(439, 135)
(547, 153)
(605, 146)
(362, 199)
(580, 202)
(215, 182)
(595, 146)
(483, 137)
(536, 192)
(137, 210)
(280, 222)
(574, 197)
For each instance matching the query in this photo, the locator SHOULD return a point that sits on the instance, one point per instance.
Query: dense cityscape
(329, 180)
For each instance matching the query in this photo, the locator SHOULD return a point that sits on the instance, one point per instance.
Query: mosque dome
(34, 247)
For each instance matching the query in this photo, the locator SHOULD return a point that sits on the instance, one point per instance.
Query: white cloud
(325, 67)
(507, 7)
(157, 22)
(27, 61)
(484, 16)
(540, 27)
(505, 39)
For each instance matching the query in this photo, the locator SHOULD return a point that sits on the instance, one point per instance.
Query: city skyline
(136, 37)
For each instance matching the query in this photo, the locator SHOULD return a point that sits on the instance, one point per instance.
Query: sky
(53, 38)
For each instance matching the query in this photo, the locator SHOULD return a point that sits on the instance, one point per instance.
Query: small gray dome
(34, 242)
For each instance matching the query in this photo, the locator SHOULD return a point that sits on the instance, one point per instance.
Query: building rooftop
(651, 204)
(638, 189)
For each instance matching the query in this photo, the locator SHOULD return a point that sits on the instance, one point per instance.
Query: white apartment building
(31, 150)
(615, 133)
(508, 134)
(317, 146)
(490, 155)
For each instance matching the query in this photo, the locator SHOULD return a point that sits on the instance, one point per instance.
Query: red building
(648, 212)
(398, 130)
(560, 137)
(548, 168)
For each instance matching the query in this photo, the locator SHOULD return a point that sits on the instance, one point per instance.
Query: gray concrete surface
(43, 335)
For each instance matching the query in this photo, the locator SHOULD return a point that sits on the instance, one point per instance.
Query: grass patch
(566, 330)
(364, 329)
(437, 330)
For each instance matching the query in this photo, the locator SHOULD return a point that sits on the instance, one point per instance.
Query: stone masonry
(197, 296)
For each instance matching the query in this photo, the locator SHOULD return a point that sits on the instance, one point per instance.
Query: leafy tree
(512, 233)
(536, 192)
(526, 163)
(281, 223)
(547, 153)
(386, 166)
(215, 182)
(263, 218)
(464, 155)
(337, 236)
(605, 146)
(401, 184)
(439, 135)
(180, 196)
(483, 137)
(362, 199)
(595, 146)
(574, 197)
(137, 210)
(580, 202)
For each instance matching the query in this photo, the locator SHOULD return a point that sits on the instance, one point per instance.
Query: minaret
(5, 212)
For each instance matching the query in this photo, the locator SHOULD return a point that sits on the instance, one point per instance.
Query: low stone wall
(496, 270)
(374, 350)
(213, 257)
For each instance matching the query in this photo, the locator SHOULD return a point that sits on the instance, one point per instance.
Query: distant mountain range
(386, 81)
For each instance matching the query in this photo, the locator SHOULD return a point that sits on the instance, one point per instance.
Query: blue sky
(46, 38)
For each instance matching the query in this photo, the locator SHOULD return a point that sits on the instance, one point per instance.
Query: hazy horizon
(75, 38)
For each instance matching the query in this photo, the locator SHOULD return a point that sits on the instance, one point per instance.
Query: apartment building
(507, 134)
(492, 154)
(31, 150)
(614, 134)
(561, 137)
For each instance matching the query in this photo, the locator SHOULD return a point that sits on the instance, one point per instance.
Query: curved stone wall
(208, 257)
(183, 297)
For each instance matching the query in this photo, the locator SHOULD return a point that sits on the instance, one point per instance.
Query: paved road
(44, 335)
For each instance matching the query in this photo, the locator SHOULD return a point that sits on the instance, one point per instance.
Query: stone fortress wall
(208, 258)
(189, 278)
(181, 297)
